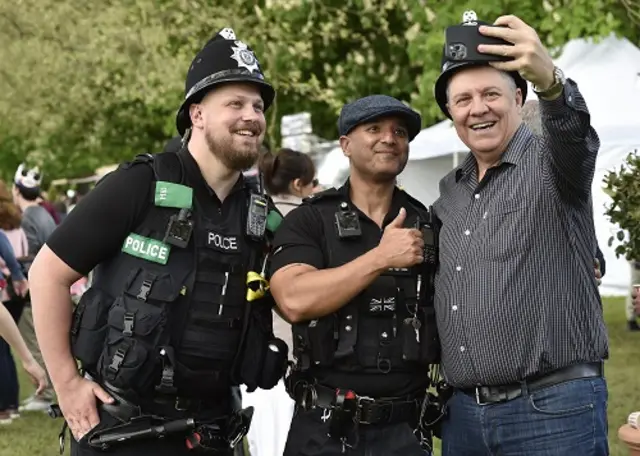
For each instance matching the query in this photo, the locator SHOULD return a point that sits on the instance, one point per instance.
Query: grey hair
(507, 77)
(531, 116)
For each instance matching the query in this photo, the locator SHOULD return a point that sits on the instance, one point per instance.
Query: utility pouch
(429, 338)
(322, 340)
(410, 343)
(262, 358)
(275, 363)
(89, 327)
(343, 414)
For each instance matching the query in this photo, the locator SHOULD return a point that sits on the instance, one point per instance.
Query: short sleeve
(299, 239)
(96, 228)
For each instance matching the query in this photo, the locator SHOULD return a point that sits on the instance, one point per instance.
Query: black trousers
(168, 446)
(308, 436)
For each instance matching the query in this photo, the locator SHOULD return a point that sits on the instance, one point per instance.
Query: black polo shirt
(301, 238)
(96, 228)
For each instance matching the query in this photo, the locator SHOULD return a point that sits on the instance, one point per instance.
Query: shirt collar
(398, 200)
(513, 155)
(194, 174)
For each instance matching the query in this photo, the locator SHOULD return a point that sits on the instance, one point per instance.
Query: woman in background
(13, 300)
(289, 176)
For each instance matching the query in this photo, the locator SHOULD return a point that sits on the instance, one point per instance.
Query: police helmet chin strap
(186, 137)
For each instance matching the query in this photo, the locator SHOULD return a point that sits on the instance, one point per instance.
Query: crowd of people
(27, 220)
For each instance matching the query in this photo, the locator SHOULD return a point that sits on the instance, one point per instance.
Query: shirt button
(454, 308)
(467, 233)
(462, 349)
(477, 196)
(570, 98)
(458, 268)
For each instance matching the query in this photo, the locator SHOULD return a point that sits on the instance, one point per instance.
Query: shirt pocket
(505, 231)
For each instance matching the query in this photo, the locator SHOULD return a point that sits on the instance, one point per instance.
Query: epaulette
(138, 159)
(323, 195)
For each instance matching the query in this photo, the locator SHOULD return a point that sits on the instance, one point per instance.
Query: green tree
(83, 84)
(623, 186)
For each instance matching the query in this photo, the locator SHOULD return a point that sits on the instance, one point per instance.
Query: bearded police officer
(177, 315)
(352, 269)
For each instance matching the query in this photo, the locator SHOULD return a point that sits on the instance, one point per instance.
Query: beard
(234, 153)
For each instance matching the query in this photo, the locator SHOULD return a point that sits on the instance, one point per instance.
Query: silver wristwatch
(558, 83)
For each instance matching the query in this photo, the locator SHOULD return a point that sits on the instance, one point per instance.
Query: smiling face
(232, 120)
(378, 149)
(484, 104)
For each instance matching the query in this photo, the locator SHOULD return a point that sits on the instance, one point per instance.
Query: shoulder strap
(326, 195)
(168, 167)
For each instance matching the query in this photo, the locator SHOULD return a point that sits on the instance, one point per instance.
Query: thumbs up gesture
(401, 247)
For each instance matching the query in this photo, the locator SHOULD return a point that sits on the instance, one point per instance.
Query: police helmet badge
(28, 178)
(469, 18)
(244, 57)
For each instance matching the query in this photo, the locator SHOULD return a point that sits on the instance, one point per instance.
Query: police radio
(257, 216)
(430, 237)
(179, 229)
(347, 222)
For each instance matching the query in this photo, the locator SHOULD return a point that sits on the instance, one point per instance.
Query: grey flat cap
(373, 107)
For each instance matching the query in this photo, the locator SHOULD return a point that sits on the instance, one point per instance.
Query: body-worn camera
(257, 216)
(347, 222)
(179, 229)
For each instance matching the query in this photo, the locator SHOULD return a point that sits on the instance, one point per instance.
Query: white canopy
(608, 76)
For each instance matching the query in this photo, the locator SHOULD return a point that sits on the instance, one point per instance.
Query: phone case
(461, 43)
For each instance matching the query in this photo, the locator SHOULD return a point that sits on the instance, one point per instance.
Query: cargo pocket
(131, 354)
(429, 339)
(137, 331)
(89, 327)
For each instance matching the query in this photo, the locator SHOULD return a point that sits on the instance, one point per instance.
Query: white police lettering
(147, 249)
(222, 242)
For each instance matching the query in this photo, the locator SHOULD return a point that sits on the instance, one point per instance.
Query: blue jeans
(565, 419)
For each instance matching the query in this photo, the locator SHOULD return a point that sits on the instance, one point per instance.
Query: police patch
(223, 243)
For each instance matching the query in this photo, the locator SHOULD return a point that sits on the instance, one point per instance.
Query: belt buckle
(361, 400)
(478, 401)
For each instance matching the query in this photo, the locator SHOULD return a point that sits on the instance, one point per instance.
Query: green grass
(37, 435)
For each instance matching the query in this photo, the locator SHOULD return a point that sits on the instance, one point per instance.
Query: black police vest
(390, 326)
(154, 304)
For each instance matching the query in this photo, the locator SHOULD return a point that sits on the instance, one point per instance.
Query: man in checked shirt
(519, 313)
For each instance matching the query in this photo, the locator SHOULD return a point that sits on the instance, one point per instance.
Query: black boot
(633, 325)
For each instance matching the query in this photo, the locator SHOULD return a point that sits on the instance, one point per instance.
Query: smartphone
(461, 43)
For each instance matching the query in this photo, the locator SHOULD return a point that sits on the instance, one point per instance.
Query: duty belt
(369, 410)
(502, 393)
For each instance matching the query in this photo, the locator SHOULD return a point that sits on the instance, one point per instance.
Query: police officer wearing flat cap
(178, 314)
(352, 269)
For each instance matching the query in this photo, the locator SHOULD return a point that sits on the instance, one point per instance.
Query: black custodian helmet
(450, 67)
(223, 59)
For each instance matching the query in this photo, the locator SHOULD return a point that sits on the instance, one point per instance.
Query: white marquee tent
(608, 75)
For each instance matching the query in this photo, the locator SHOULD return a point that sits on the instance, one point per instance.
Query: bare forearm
(317, 293)
(9, 332)
(52, 313)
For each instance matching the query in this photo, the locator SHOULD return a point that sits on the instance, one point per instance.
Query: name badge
(169, 194)
(223, 243)
(146, 248)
